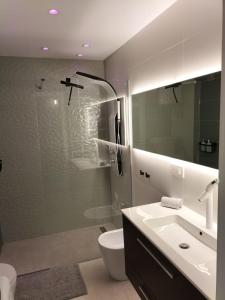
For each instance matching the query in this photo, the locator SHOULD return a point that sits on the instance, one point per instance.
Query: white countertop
(204, 280)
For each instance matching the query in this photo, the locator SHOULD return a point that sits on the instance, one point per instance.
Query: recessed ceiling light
(53, 11)
(86, 45)
(79, 54)
(44, 48)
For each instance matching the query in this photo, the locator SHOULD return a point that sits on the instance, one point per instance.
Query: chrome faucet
(207, 196)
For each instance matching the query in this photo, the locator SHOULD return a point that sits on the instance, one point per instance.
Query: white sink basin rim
(192, 244)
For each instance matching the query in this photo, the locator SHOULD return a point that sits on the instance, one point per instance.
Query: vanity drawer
(155, 272)
(142, 289)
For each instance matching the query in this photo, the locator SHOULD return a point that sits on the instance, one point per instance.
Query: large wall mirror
(180, 120)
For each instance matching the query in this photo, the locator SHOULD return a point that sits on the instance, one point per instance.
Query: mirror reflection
(180, 120)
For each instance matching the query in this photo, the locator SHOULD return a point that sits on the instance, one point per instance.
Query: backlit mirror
(180, 120)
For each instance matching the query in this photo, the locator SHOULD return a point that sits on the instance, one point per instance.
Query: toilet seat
(112, 239)
(9, 272)
(112, 248)
(5, 289)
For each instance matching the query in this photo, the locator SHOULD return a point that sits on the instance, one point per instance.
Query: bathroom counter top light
(182, 237)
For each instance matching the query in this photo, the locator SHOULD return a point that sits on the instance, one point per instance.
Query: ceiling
(26, 26)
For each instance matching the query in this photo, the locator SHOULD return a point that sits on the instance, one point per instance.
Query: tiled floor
(101, 287)
(69, 247)
(57, 249)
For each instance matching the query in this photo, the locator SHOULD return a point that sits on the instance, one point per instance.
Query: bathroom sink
(194, 245)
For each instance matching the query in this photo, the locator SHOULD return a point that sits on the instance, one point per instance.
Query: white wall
(162, 182)
(183, 42)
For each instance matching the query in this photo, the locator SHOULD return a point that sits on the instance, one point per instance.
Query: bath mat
(58, 283)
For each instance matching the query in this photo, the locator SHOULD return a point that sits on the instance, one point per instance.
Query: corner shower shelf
(111, 144)
(88, 164)
(102, 212)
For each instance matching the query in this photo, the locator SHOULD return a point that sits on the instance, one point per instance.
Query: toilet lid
(8, 271)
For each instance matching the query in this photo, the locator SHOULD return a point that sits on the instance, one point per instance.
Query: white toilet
(112, 248)
(8, 278)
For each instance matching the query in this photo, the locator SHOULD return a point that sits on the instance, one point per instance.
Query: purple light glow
(53, 11)
(44, 48)
(79, 54)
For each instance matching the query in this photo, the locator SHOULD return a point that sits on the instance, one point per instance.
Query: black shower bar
(174, 85)
(68, 83)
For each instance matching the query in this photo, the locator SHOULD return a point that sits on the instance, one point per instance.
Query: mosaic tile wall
(41, 189)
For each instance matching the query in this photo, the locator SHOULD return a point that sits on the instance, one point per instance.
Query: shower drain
(184, 246)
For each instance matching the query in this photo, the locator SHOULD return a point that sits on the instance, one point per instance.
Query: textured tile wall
(41, 190)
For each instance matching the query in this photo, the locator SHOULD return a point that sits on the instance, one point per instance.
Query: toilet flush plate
(177, 171)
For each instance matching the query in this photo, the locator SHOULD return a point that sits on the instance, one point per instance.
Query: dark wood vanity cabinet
(153, 276)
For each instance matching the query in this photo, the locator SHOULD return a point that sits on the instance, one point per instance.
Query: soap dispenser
(208, 146)
(203, 145)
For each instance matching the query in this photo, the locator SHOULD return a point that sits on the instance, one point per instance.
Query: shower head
(99, 79)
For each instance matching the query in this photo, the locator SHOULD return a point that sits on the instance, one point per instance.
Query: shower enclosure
(58, 160)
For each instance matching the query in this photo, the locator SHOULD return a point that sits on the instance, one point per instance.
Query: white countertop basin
(168, 229)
